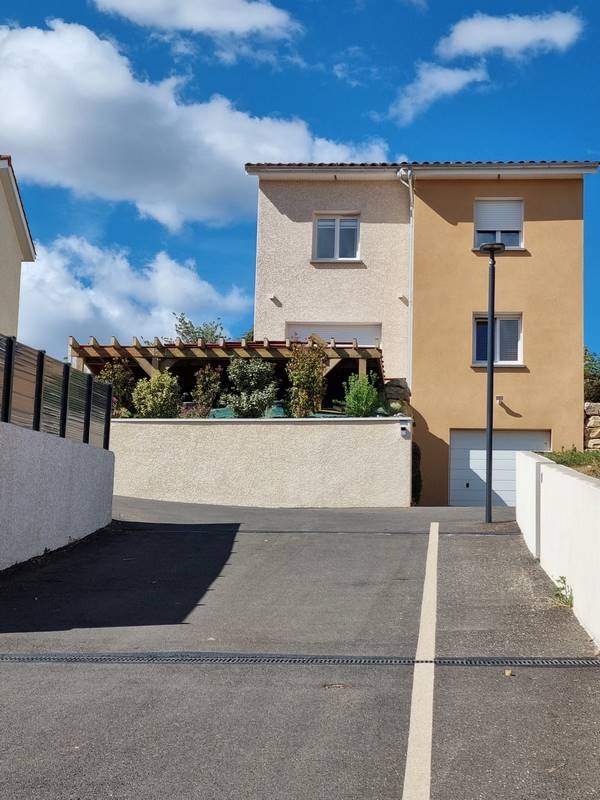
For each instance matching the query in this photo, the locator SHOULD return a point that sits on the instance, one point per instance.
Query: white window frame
(521, 245)
(481, 317)
(337, 216)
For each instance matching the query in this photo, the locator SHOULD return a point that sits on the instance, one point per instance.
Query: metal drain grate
(502, 661)
(195, 657)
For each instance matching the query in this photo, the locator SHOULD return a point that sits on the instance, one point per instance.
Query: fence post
(39, 387)
(64, 401)
(107, 416)
(87, 414)
(9, 364)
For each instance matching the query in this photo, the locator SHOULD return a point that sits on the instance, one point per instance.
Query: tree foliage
(591, 376)
(305, 371)
(361, 395)
(206, 390)
(189, 332)
(159, 396)
(253, 387)
(118, 373)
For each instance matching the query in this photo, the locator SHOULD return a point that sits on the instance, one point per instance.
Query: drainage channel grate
(194, 657)
(496, 661)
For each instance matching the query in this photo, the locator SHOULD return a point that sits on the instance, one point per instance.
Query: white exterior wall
(268, 463)
(10, 270)
(527, 508)
(568, 520)
(367, 293)
(52, 492)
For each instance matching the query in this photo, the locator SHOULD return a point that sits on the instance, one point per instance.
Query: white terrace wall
(563, 506)
(52, 492)
(268, 463)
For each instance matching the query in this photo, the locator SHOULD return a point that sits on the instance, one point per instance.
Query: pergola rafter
(159, 355)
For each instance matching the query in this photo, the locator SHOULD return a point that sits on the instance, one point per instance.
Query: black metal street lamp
(491, 248)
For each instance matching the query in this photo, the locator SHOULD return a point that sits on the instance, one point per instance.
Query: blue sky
(129, 125)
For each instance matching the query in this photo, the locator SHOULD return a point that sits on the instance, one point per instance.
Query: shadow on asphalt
(125, 575)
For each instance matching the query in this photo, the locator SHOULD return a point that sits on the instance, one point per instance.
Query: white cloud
(213, 17)
(513, 36)
(74, 115)
(75, 288)
(432, 83)
(420, 4)
(353, 66)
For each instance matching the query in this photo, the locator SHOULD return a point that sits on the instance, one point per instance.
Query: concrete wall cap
(267, 421)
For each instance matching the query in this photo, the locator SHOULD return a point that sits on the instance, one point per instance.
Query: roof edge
(8, 179)
(424, 167)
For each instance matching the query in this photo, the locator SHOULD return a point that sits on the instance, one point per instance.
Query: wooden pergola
(159, 356)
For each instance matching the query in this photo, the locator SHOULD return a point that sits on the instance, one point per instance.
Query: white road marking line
(417, 774)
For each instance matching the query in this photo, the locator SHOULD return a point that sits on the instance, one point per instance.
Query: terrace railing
(43, 394)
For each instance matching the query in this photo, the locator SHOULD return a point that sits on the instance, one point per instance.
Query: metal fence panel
(99, 403)
(3, 341)
(23, 388)
(51, 395)
(76, 407)
(31, 394)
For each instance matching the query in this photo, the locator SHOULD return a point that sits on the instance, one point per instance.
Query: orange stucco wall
(544, 283)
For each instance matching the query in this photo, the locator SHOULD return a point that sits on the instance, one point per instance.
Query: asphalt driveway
(142, 712)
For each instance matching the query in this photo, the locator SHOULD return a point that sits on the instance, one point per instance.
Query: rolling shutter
(498, 215)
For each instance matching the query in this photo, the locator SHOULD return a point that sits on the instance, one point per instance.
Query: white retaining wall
(268, 463)
(52, 492)
(558, 511)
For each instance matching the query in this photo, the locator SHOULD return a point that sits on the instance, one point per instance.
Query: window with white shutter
(508, 340)
(499, 221)
(336, 238)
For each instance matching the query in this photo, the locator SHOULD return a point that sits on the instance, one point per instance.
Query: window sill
(339, 262)
(478, 252)
(482, 365)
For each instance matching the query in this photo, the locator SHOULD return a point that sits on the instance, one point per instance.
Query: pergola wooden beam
(160, 355)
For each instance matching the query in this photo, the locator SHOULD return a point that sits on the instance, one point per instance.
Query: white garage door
(467, 464)
(364, 334)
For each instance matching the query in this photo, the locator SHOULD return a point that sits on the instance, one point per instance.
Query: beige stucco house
(16, 246)
(389, 252)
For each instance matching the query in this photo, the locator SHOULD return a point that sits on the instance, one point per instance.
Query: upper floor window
(499, 221)
(336, 238)
(508, 340)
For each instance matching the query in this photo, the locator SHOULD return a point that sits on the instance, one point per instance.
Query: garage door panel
(467, 464)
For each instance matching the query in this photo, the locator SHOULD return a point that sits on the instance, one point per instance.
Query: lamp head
(491, 248)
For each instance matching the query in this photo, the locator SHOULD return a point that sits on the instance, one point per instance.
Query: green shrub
(118, 373)
(591, 376)
(585, 461)
(206, 391)
(158, 397)
(398, 407)
(253, 387)
(361, 395)
(305, 371)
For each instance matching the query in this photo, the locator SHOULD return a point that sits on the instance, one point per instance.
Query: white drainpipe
(406, 177)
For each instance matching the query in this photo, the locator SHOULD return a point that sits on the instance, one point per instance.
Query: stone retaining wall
(591, 434)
